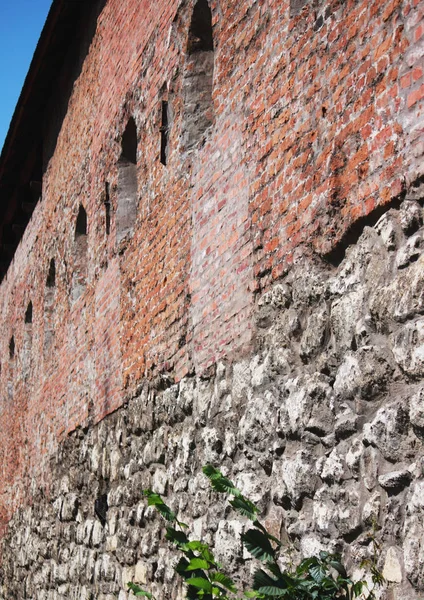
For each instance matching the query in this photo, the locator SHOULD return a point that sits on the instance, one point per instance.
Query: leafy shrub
(320, 577)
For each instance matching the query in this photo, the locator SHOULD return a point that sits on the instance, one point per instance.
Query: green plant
(370, 564)
(320, 577)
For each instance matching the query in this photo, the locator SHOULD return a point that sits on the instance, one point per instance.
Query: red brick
(405, 81)
(415, 96)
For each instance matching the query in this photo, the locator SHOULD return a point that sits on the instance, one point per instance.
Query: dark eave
(31, 138)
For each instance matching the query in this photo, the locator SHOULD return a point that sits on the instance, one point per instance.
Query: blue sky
(21, 22)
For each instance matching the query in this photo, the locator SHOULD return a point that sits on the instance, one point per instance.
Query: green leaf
(203, 549)
(210, 471)
(207, 555)
(181, 567)
(261, 579)
(197, 563)
(192, 593)
(377, 576)
(271, 590)
(219, 482)
(200, 583)
(155, 500)
(244, 507)
(138, 591)
(317, 572)
(275, 570)
(196, 545)
(337, 566)
(357, 589)
(258, 545)
(324, 555)
(259, 525)
(224, 580)
(306, 564)
(218, 592)
(152, 497)
(175, 536)
(166, 512)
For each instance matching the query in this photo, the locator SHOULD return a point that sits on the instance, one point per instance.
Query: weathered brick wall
(318, 123)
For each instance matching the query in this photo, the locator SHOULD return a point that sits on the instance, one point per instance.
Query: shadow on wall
(198, 77)
(79, 277)
(82, 36)
(126, 210)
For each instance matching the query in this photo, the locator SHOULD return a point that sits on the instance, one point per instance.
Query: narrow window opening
(200, 35)
(126, 210)
(51, 276)
(28, 314)
(27, 345)
(107, 207)
(79, 276)
(129, 142)
(198, 78)
(49, 299)
(164, 133)
(101, 507)
(81, 224)
(11, 374)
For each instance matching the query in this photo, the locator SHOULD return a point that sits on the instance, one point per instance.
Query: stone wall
(322, 426)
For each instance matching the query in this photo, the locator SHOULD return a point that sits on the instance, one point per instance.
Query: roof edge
(39, 53)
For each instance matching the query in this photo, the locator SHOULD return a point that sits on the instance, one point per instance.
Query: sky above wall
(21, 22)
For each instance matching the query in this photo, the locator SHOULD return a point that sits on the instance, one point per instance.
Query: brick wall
(317, 124)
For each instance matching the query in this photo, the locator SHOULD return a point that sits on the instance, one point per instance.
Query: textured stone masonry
(322, 426)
